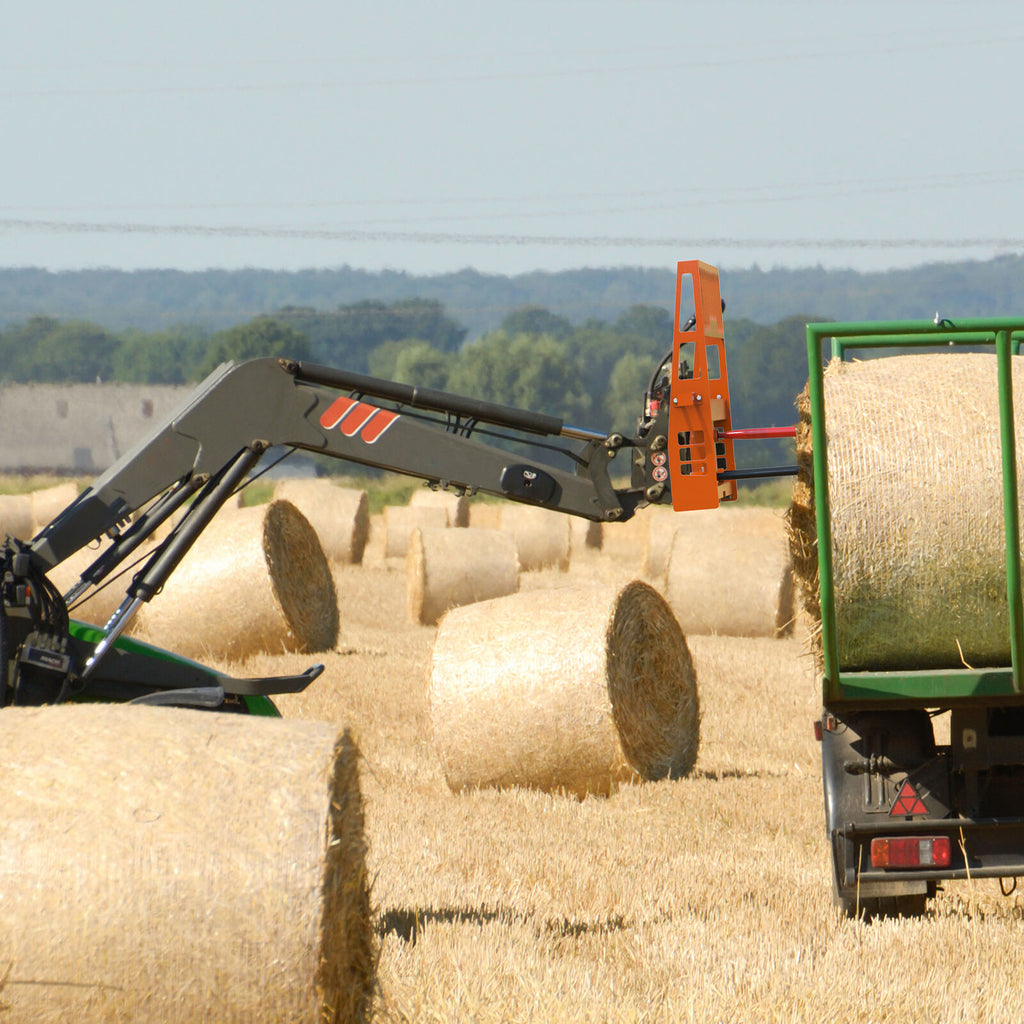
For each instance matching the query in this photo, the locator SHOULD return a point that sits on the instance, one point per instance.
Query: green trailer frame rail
(926, 687)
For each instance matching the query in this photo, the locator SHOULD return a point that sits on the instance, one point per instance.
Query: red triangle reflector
(908, 803)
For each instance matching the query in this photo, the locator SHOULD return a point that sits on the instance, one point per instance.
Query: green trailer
(908, 806)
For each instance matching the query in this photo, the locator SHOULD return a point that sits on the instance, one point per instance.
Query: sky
(509, 136)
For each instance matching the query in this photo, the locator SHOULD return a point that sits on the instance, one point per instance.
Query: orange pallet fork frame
(699, 420)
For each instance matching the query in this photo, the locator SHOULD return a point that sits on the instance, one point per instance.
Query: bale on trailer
(729, 572)
(542, 536)
(456, 505)
(340, 516)
(255, 581)
(172, 866)
(564, 690)
(400, 521)
(915, 492)
(449, 568)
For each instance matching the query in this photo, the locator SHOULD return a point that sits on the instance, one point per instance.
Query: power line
(459, 238)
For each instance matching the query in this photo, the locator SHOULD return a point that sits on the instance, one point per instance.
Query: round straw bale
(16, 516)
(542, 536)
(485, 514)
(401, 520)
(662, 523)
(625, 541)
(915, 492)
(560, 690)
(584, 534)
(177, 866)
(456, 505)
(448, 568)
(731, 574)
(255, 581)
(99, 605)
(340, 516)
(49, 502)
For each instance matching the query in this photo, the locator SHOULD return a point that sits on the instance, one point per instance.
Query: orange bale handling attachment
(701, 466)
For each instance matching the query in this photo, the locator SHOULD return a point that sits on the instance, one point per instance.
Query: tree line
(593, 374)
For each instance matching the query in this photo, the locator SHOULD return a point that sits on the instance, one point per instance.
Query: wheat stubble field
(704, 899)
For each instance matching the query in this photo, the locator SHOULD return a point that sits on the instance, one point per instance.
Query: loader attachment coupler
(700, 450)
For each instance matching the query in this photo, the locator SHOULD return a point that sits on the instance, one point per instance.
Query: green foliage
(528, 372)
(263, 336)
(167, 357)
(626, 387)
(51, 351)
(347, 336)
(652, 323)
(536, 320)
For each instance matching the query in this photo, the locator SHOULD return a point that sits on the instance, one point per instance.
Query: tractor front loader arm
(243, 409)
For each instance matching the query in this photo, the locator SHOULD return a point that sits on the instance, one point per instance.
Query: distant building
(82, 429)
(78, 429)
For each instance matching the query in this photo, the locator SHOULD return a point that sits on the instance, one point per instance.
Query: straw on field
(542, 536)
(729, 573)
(915, 489)
(174, 866)
(565, 690)
(340, 515)
(256, 580)
(456, 505)
(449, 568)
(16, 516)
(401, 520)
(49, 502)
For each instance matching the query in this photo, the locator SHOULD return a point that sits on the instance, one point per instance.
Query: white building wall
(78, 429)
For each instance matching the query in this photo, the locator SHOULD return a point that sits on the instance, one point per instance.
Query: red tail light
(911, 852)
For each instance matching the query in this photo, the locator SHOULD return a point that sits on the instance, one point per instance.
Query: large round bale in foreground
(49, 502)
(449, 568)
(564, 690)
(175, 866)
(16, 516)
(256, 581)
(542, 536)
(456, 505)
(729, 573)
(340, 516)
(915, 490)
(400, 522)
